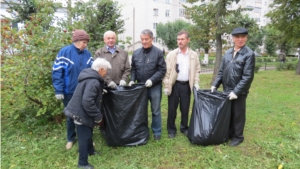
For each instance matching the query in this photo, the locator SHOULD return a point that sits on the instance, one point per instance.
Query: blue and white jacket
(69, 62)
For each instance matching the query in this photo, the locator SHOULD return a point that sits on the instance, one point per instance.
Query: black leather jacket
(148, 64)
(84, 106)
(236, 74)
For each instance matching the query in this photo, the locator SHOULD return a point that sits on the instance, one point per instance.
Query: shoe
(185, 132)
(89, 166)
(69, 145)
(95, 153)
(234, 143)
(171, 135)
(156, 137)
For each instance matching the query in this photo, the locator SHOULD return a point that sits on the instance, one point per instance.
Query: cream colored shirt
(235, 51)
(183, 66)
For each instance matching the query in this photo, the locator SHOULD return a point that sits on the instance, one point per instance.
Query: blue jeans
(71, 134)
(154, 95)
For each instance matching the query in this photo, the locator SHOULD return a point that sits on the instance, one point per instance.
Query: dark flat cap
(239, 31)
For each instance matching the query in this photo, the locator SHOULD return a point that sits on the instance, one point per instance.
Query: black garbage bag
(126, 116)
(209, 123)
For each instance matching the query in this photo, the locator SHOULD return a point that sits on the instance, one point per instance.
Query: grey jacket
(236, 74)
(120, 67)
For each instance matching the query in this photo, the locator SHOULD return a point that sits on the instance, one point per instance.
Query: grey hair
(147, 32)
(109, 32)
(100, 63)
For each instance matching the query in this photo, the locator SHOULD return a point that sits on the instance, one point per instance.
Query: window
(257, 19)
(257, 9)
(154, 25)
(154, 39)
(167, 1)
(251, 8)
(181, 12)
(266, 3)
(167, 13)
(155, 12)
(258, 1)
(183, 1)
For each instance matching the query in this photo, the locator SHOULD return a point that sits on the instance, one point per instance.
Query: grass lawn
(272, 137)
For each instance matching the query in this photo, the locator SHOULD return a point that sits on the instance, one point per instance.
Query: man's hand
(104, 91)
(212, 89)
(59, 96)
(112, 85)
(122, 83)
(130, 83)
(197, 87)
(148, 83)
(98, 121)
(166, 91)
(232, 96)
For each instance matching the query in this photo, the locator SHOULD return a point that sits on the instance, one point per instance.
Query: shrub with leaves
(27, 58)
(257, 67)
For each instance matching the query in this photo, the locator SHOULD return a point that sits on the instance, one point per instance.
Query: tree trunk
(218, 56)
(298, 66)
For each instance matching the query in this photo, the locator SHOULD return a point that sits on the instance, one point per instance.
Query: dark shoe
(234, 143)
(89, 166)
(185, 133)
(171, 135)
(156, 137)
(95, 153)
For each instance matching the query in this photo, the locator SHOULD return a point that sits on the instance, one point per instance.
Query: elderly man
(236, 75)
(183, 69)
(70, 61)
(118, 59)
(149, 67)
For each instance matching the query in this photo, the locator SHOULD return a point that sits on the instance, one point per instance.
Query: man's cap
(239, 31)
(79, 35)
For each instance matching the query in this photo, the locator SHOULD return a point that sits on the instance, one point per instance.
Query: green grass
(272, 137)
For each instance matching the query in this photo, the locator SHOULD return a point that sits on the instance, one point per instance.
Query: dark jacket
(148, 64)
(236, 74)
(69, 62)
(84, 105)
(120, 67)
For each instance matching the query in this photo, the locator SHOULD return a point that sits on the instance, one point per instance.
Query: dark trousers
(238, 118)
(71, 134)
(181, 93)
(85, 143)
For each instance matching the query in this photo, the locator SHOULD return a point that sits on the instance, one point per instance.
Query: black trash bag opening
(210, 119)
(126, 116)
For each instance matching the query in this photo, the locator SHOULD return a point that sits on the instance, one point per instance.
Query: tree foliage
(27, 56)
(285, 17)
(97, 17)
(22, 10)
(168, 32)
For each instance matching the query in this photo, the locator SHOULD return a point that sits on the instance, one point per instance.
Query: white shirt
(183, 66)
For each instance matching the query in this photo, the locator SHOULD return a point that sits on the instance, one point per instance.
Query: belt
(182, 82)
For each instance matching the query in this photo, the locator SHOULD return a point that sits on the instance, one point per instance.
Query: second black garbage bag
(209, 123)
(126, 116)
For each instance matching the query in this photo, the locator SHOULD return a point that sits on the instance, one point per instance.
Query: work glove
(197, 87)
(148, 83)
(232, 96)
(167, 93)
(104, 91)
(112, 85)
(59, 96)
(130, 83)
(122, 83)
(212, 89)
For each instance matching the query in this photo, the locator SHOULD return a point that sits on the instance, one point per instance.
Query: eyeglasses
(176, 68)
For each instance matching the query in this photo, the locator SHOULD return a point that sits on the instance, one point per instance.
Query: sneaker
(69, 145)
(156, 137)
(89, 166)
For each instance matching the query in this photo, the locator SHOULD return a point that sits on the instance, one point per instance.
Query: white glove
(167, 93)
(212, 88)
(104, 91)
(112, 85)
(122, 83)
(148, 83)
(130, 83)
(59, 96)
(196, 86)
(232, 96)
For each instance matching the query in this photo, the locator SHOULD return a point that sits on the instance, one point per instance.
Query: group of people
(79, 79)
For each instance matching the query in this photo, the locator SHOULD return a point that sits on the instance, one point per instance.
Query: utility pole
(133, 38)
(69, 7)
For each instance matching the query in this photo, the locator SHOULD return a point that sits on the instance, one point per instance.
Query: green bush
(257, 67)
(287, 66)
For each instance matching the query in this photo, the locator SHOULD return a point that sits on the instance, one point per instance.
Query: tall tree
(168, 32)
(97, 17)
(22, 10)
(218, 15)
(286, 18)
